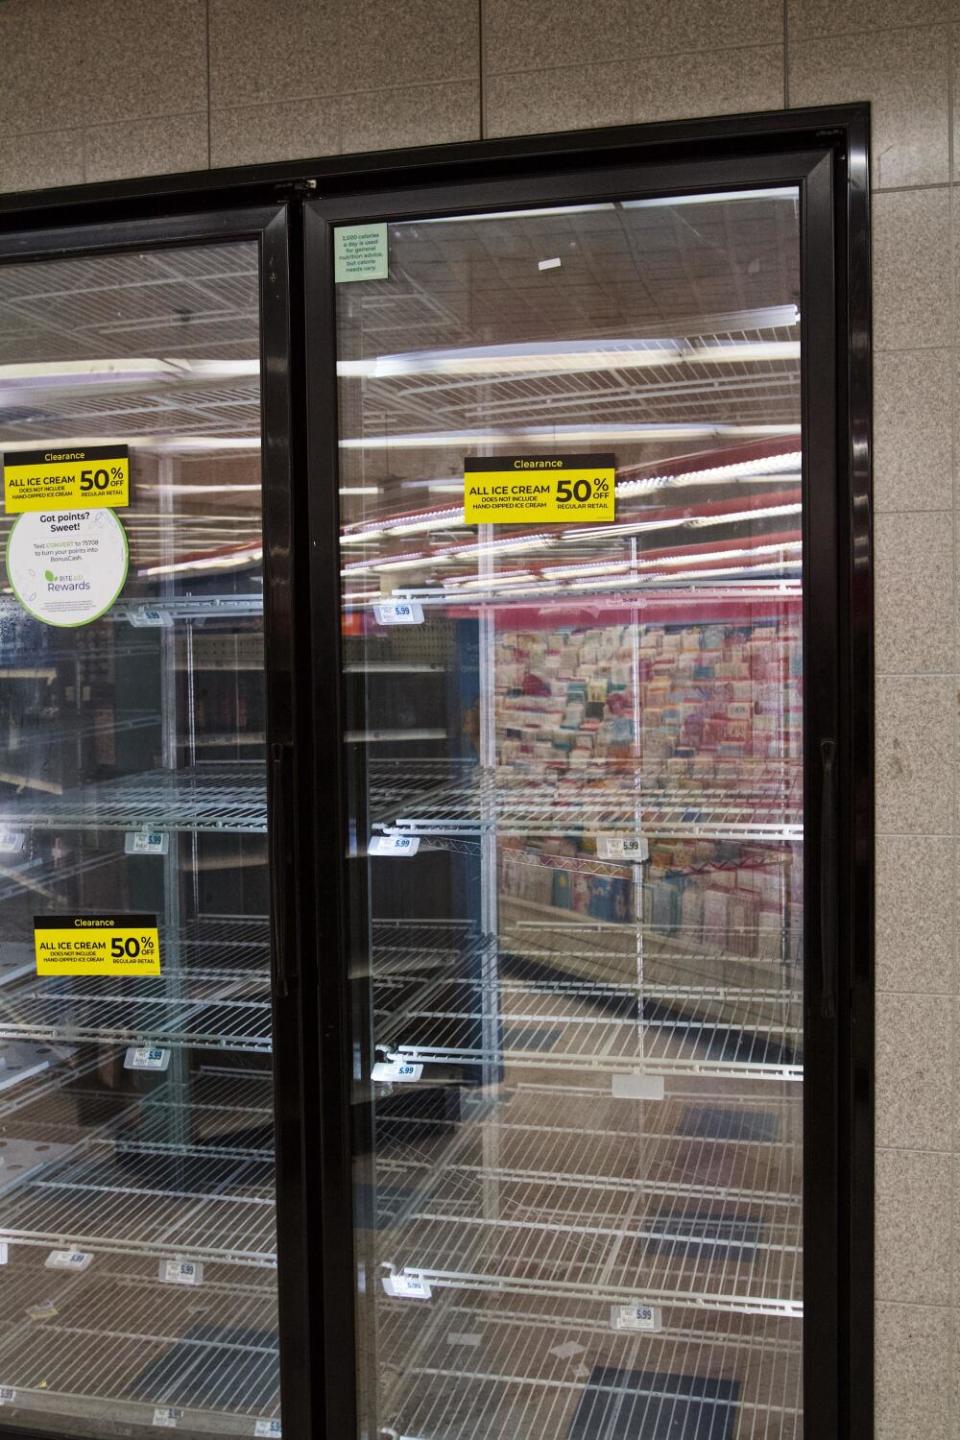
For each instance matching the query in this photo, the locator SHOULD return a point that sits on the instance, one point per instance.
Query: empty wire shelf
(210, 1010)
(118, 1343)
(229, 798)
(466, 1367)
(461, 799)
(195, 1206)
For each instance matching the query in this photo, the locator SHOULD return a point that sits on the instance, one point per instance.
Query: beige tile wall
(97, 89)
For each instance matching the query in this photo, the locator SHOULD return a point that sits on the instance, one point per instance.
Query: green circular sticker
(67, 567)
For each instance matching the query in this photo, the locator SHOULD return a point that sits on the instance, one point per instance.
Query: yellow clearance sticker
(538, 489)
(96, 944)
(95, 477)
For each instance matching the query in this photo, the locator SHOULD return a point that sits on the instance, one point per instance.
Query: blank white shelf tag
(623, 847)
(399, 612)
(146, 1057)
(638, 1087)
(4, 1252)
(406, 1285)
(636, 1317)
(567, 1350)
(394, 845)
(552, 264)
(7, 1395)
(267, 1427)
(181, 1272)
(69, 1260)
(146, 842)
(387, 1071)
(11, 842)
(167, 1417)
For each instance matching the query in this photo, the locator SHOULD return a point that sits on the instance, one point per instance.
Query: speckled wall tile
(708, 83)
(917, 888)
(906, 76)
(914, 557)
(33, 162)
(913, 429)
(147, 147)
(916, 725)
(914, 1227)
(914, 1372)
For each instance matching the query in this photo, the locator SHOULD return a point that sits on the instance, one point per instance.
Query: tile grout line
(209, 105)
(482, 88)
(786, 54)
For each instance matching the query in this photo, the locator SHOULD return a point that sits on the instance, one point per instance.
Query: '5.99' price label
(105, 944)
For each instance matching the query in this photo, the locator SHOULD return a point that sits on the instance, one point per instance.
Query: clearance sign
(96, 944)
(538, 489)
(91, 477)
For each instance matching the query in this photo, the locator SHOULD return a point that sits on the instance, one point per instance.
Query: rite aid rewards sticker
(67, 567)
(96, 944)
(95, 477)
(538, 489)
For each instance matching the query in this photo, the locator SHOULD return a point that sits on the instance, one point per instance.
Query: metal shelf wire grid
(490, 1365)
(563, 1190)
(211, 1010)
(461, 799)
(139, 1203)
(165, 1343)
(229, 798)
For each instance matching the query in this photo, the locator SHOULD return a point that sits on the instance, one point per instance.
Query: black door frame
(827, 152)
(838, 1341)
(290, 769)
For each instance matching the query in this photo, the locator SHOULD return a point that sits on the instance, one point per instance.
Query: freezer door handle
(280, 868)
(828, 881)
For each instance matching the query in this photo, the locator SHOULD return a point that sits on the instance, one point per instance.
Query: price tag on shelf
(396, 1069)
(399, 612)
(181, 1272)
(623, 847)
(12, 842)
(8, 1395)
(4, 1252)
(146, 1057)
(406, 1285)
(394, 845)
(636, 1317)
(69, 1260)
(167, 1417)
(146, 842)
(267, 1427)
(146, 617)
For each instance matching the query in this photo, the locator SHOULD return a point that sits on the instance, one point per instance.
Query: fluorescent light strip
(512, 214)
(713, 197)
(559, 356)
(551, 435)
(758, 469)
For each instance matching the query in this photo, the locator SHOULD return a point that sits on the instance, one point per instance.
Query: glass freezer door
(137, 1236)
(574, 753)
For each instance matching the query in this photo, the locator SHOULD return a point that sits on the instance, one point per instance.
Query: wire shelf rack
(229, 798)
(216, 1208)
(117, 1344)
(656, 1029)
(461, 799)
(487, 1365)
